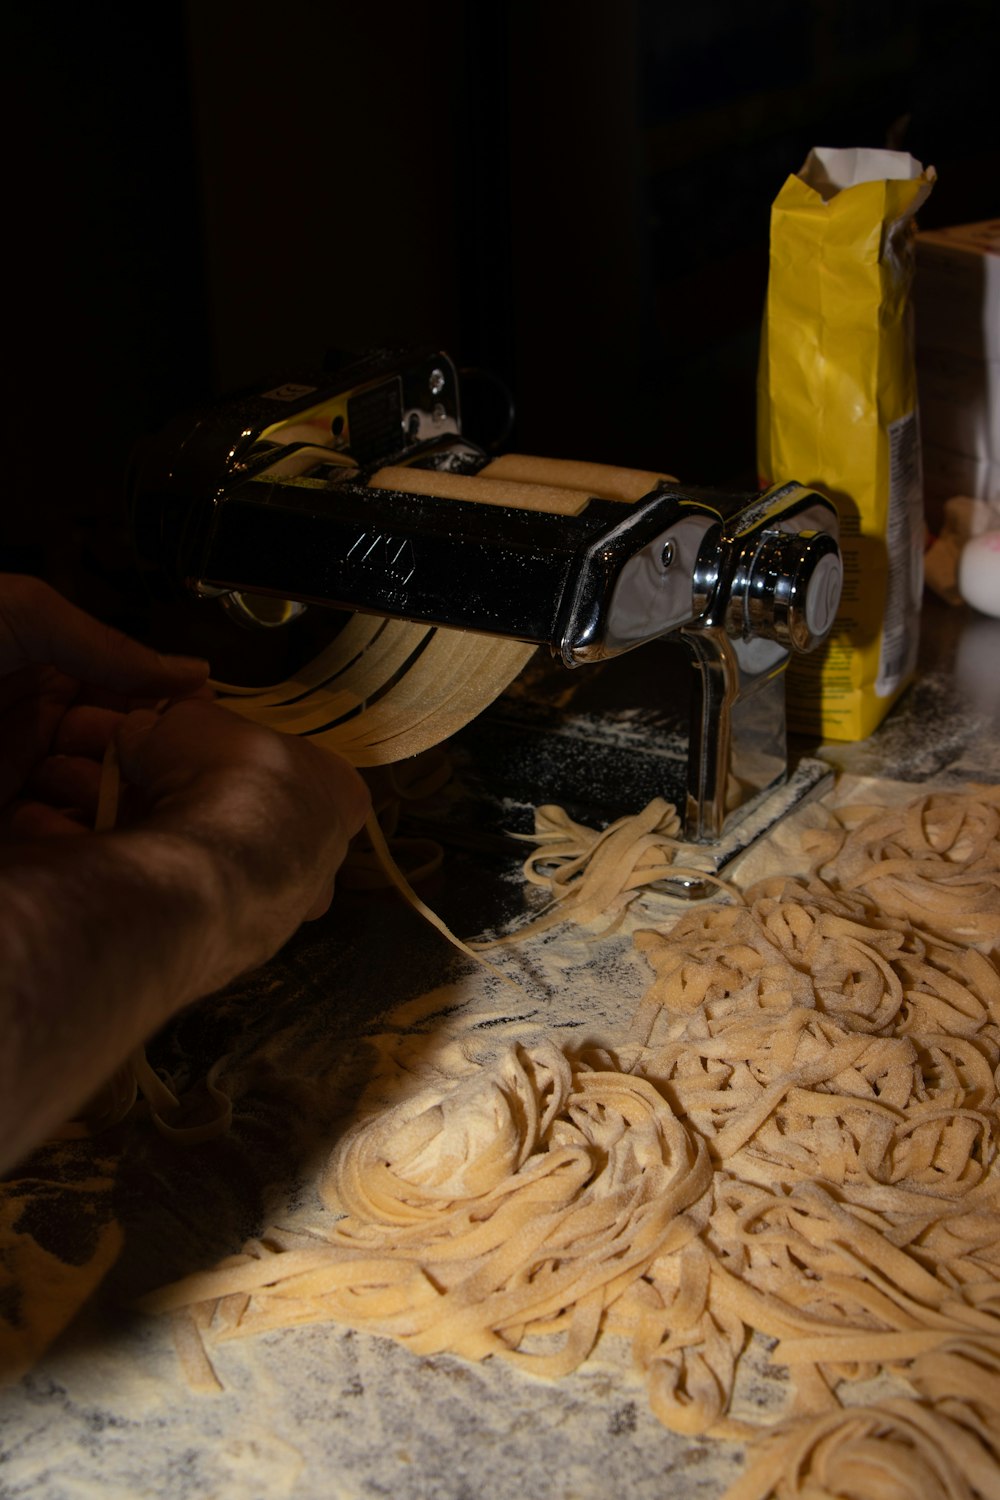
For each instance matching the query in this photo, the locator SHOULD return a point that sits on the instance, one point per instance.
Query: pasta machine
(358, 489)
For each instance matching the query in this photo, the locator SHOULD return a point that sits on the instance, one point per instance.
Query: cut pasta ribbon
(896, 1450)
(501, 1217)
(934, 862)
(385, 690)
(805, 1147)
(395, 876)
(392, 788)
(594, 874)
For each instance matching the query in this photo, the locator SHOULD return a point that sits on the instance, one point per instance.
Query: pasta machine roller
(358, 489)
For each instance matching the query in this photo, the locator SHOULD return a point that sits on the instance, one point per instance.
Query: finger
(322, 903)
(99, 697)
(86, 730)
(353, 792)
(67, 781)
(36, 820)
(34, 683)
(191, 737)
(123, 703)
(37, 625)
(203, 692)
(26, 733)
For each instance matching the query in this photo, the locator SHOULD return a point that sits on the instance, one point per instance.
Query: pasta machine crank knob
(793, 588)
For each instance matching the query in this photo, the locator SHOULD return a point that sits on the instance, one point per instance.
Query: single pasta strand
(398, 879)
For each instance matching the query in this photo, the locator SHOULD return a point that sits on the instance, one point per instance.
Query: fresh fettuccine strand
(934, 862)
(395, 876)
(897, 1450)
(386, 691)
(593, 875)
(392, 787)
(520, 1202)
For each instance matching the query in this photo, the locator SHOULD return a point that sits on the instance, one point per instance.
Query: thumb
(37, 625)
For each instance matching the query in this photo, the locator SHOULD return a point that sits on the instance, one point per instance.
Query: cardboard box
(957, 289)
(960, 403)
(947, 474)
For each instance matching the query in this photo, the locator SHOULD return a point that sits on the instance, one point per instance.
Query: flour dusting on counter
(321, 1410)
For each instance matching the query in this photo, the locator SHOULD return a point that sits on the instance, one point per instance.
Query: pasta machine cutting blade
(358, 489)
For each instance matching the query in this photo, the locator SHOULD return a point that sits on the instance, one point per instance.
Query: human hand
(65, 683)
(273, 812)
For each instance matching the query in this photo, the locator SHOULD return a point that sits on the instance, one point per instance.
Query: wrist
(104, 937)
(185, 891)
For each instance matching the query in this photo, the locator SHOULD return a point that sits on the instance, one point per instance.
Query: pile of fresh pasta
(796, 1138)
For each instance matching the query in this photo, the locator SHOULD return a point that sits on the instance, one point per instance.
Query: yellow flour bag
(837, 410)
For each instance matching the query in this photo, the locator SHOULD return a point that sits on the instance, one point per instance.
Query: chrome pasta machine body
(357, 489)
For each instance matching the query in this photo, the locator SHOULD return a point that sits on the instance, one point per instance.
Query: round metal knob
(793, 589)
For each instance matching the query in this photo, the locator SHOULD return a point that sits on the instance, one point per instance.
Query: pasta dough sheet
(386, 690)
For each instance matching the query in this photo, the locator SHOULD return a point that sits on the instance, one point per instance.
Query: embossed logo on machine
(377, 556)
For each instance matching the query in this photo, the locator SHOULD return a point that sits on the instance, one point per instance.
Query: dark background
(573, 194)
